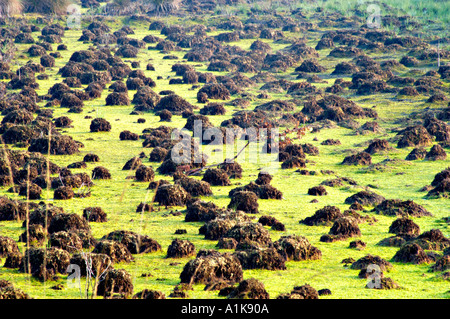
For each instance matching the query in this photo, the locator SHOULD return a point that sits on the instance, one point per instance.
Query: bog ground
(362, 179)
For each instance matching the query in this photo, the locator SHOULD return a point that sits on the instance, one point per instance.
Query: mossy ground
(119, 196)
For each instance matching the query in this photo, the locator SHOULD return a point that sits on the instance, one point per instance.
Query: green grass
(119, 197)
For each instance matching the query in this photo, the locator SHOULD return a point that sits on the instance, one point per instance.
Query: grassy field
(120, 196)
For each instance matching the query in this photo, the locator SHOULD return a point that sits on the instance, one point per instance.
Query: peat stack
(294, 247)
(210, 267)
(180, 248)
(343, 228)
(245, 201)
(171, 195)
(324, 216)
(117, 281)
(249, 289)
(135, 243)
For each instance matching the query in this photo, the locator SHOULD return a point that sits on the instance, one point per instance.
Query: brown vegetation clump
(213, 109)
(343, 228)
(357, 244)
(117, 251)
(442, 264)
(149, 294)
(117, 98)
(63, 193)
(212, 266)
(101, 172)
(117, 281)
(294, 247)
(59, 145)
(216, 177)
(8, 291)
(232, 169)
(63, 121)
(248, 231)
(158, 154)
(95, 214)
(30, 190)
(249, 289)
(260, 258)
(411, 253)
(68, 241)
(272, 222)
(301, 292)
(362, 158)
(174, 104)
(144, 174)
(244, 200)
(317, 191)
(324, 216)
(404, 226)
(132, 163)
(194, 187)
(100, 125)
(8, 246)
(97, 263)
(436, 153)
(417, 153)
(433, 239)
(365, 261)
(377, 146)
(441, 184)
(128, 136)
(135, 243)
(393, 207)
(263, 191)
(171, 195)
(88, 158)
(365, 198)
(293, 162)
(219, 226)
(45, 264)
(180, 248)
(200, 210)
(414, 136)
(226, 243)
(214, 91)
(68, 222)
(264, 178)
(386, 283)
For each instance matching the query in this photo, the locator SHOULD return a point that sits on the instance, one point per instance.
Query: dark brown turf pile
(249, 289)
(294, 247)
(180, 248)
(45, 264)
(324, 216)
(95, 214)
(245, 201)
(117, 281)
(365, 198)
(300, 292)
(343, 228)
(171, 195)
(201, 210)
(135, 243)
(393, 207)
(100, 125)
(212, 266)
(115, 250)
